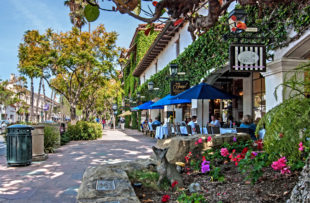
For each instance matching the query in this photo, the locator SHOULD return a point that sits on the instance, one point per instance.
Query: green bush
(65, 138)
(127, 121)
(134, 120)
(84, 130)
(51, 138)
(286, 126)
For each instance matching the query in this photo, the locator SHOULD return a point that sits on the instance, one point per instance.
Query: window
(259, 96)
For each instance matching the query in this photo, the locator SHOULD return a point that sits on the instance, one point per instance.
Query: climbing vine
(210, 51)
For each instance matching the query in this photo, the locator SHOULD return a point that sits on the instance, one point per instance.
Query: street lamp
(236, 20)
(173, 69)
(150, 86)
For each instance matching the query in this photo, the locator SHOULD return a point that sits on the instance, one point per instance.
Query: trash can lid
(20, 126)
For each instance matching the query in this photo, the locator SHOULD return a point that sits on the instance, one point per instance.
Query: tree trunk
(31, 99)
(72, 114)
(38, 99)
(53, 99)
(50, 108)
(44, 99)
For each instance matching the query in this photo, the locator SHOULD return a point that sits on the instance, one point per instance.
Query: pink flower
(301, 147)
(280, 165)
(224, 152)
(200, 140)
(285, 170)
(209, 139)
(196, 143)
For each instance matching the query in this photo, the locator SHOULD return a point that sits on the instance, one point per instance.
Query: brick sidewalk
(58, 178)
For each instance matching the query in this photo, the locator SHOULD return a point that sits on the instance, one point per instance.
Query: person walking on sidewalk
(103, 123)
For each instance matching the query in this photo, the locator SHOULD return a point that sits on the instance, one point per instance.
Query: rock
(180, 146)
(301, 192)
(194, 187)
(113, 185)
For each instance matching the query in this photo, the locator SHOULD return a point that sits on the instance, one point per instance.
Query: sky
(18, 16)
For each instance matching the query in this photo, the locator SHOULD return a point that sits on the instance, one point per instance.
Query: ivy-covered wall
(210, 51)
(143, 43)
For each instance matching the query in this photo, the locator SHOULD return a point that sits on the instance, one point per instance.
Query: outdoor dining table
(162, 132)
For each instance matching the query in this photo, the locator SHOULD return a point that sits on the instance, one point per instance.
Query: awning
(147, 105)
(168, 101)
(126, 113)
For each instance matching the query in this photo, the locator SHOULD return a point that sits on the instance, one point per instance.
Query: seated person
(214, 122)
(156, 122)
(192, 123)
(150, 124)
(247, 123)
(230, 121)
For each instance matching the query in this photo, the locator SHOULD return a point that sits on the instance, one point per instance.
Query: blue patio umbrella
(147, 105)
(168, 101)
(203, 91)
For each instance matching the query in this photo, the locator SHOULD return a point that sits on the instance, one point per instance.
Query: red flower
(174, 184)
(241, 25)
(155, 3)
(234, 18)
(233, 29)
(203, 158)
(165, 198)
(245, 150)
(281, 135)
(259, 144)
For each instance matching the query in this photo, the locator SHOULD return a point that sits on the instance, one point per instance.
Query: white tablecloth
(162, 132)
(227, 130)
(184, 130)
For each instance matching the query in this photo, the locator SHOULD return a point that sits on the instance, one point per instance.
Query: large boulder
(180, 146)
(110, 183)
(301, 192)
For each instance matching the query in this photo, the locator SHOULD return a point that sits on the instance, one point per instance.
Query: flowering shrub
(253, 164)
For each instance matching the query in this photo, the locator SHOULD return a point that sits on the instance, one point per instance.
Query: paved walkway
(58, 178)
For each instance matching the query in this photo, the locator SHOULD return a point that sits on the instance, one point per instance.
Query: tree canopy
(177, 10)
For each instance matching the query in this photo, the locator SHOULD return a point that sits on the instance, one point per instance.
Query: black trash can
(19, 145)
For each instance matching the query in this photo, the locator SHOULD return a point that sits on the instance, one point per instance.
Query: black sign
(178, 86)
(247, 57)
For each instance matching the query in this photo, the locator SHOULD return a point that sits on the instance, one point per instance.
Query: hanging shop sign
(178, 86)
(247, 57)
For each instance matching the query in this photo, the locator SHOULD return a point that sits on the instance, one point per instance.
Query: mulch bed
(271, 187)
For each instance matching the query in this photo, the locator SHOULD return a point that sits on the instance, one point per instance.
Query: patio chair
(189, 129)
(153, 131)
(209, 130)
(170, 133)
(177, 130)
(216, 130)
(145, 129)
(197, 127)
(243, 130)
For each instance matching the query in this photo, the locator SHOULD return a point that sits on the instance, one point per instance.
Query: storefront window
(259, 96)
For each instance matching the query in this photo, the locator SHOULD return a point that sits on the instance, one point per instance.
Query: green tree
(33, 58)
(80, 60)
